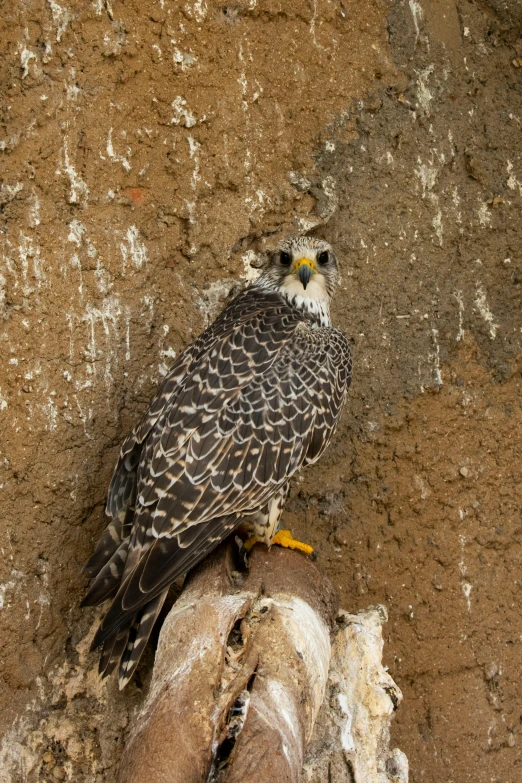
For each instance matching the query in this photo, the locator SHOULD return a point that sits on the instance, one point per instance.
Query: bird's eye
(323, 257)
(285, 258)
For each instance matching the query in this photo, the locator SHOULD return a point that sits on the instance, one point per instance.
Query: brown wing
(260, 397)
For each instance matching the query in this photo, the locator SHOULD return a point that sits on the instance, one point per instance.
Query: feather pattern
(249, 403)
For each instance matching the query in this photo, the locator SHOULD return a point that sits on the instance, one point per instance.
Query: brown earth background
(151, 152)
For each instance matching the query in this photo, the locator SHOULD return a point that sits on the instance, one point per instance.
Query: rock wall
(150, 152)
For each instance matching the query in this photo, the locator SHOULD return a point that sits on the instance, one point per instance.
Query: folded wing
(254, 399)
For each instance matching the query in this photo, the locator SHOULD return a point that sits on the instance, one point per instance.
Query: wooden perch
(240, 675)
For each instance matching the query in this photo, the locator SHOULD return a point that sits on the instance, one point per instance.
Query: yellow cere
(307, 261)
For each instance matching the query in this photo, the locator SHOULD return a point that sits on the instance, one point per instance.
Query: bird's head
(303, 266)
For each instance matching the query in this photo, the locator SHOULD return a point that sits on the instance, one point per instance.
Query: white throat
(312, 300)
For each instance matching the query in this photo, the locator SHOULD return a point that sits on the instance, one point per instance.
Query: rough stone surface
(351, 741)
(145, 147)
(509, 11)
(149, 151)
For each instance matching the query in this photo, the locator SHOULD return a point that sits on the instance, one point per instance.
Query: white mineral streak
(61, 17)
(114, 156)
(79, 190)
(198, 10)
(461, 333)
(182, 114)
(134, 249)
(417, 14)
(484, 310)
(424, 95)
(108, 316)
(9, 192)
(352, 733)
(26, 55)
(513, 183)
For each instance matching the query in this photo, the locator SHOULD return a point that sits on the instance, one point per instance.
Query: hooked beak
(304, 269)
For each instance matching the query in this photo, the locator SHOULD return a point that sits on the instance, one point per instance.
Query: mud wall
(151, 151)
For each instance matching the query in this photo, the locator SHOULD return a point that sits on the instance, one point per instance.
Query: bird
(249, 403)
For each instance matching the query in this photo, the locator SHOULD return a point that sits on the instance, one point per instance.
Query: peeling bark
(243, 663)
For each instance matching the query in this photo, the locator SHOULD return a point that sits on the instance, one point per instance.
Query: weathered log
(241, 670)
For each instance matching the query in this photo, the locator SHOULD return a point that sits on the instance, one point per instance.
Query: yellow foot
(282, 538)
(285, 538)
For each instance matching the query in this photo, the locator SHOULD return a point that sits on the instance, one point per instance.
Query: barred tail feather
(172, 561)
(112, 651)
(116, 532)
(125, 647)
(138, 637)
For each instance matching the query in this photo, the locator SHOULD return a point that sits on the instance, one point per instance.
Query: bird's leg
(250, 542)
(265, 524)
(257, 530)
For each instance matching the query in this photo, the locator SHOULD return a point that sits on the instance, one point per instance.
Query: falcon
(248, 404)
